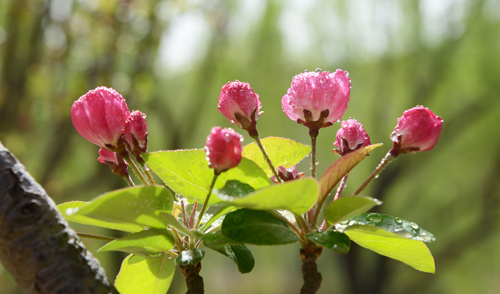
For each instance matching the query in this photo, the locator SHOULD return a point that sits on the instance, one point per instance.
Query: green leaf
(395, 225)
(241, 255)
(147, 243)
(348, 207)
(217, 215)
(257, 227)
(297, 196)
(281, 151)
(411, 252)
(215, 240)
(337, 170)
(68, 210)
(140, 275)
(138, 206)
(238, 253)
(234, 188)
(335, 241)
(187, 173)
(172, 221)
(190, 257)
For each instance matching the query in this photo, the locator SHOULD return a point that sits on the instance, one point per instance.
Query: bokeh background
(170, 59)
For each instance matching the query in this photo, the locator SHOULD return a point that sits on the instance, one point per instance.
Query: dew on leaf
(374, 217)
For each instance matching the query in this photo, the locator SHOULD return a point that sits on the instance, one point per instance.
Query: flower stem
(145, 168)
(341, 187)
(205, 204)
(129, 181)
(389, 157)
(124, 154)
(256, 138)
(313, 132)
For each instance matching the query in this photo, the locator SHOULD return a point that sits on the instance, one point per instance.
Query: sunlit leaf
(187, 173)
(217, 215)
(147, 243)
(296, 196)
(335, 241)
(337, 170)
(348, 207)
(140, 275)
(68, 210)
(257, 227)
(139, 206)
(396, 225)
(282, 152)
(411, 252)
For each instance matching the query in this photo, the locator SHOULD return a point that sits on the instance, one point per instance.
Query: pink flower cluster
(102, 117)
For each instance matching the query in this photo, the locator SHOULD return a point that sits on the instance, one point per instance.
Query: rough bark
(194, 281)
(312, 278)
(38, 248)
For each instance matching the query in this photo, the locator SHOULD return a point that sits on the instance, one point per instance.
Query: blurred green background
(170, 59)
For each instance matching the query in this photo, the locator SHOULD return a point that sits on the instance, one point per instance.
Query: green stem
(389, 157)
(313, 132)
(256, 138)
(124, 154)
(89, 236)
(205, 204)
(128, 179)
(145, 168)
(290, 224)
(177, 239)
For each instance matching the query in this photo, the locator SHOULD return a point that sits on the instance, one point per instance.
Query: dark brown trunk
(194, 281)
(39, 249)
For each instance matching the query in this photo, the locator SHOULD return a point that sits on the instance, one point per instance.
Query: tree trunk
(39, 249)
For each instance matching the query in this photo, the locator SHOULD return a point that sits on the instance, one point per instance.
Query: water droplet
(237, 220)
(118, 118)
(71, 211)
(414, 226)
(318, 70)
(346, 222)
(374, 217)
(352, 222)
(319, 238)
(376, 177)
(398, 220)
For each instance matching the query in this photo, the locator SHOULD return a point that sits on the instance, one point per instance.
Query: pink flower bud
(99, 116)
(288, 174)
(239, 103)
(114, 161)
(223, 149)
(417, 130)
(351, 136)
(136, 132)
(317, 99)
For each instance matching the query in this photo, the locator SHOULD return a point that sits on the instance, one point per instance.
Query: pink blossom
(317, 99)
(239, 103)
(223, 149)
(351, 136)
(417, 130)
(136, 132)
(114, 161)
(288, 174)
(99, 116)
